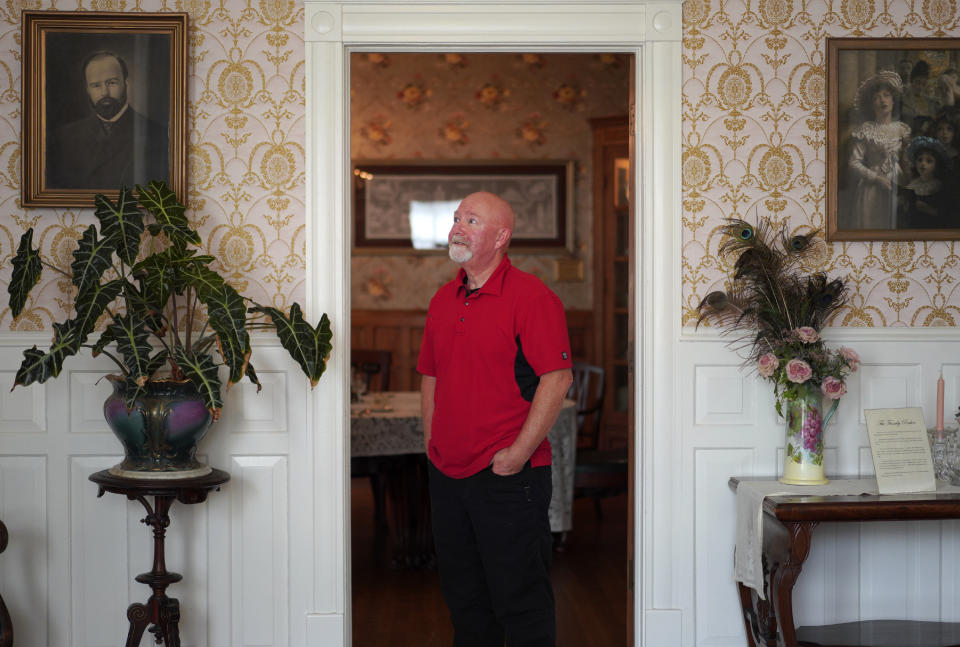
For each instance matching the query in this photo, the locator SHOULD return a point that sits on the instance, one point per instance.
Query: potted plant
(168, 321)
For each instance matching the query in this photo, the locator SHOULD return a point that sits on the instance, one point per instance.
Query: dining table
(389, 425)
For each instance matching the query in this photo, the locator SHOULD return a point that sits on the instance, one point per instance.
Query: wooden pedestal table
(788, 524)
(160, 611)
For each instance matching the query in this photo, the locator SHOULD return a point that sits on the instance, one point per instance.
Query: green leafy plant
(147, 307)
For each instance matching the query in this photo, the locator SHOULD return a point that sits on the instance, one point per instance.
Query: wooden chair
(375, 366)
(598, 473)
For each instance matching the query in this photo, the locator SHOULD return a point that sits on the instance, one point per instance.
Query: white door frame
(650, 31)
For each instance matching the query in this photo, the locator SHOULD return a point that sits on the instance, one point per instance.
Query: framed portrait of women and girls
(893, 139)
(104, 104)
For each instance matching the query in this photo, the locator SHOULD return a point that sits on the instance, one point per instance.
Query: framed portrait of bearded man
(893, 139)
(104, 104)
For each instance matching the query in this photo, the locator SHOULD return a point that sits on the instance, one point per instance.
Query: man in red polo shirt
(495, 362)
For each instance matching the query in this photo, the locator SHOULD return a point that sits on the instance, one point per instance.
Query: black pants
(494, 548)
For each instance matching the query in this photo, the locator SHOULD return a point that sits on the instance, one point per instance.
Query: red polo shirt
(472, 344)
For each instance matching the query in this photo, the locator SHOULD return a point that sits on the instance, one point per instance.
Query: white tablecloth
(389, 424)
(747, 566)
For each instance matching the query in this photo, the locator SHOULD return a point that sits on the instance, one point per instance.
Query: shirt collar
(494, 284)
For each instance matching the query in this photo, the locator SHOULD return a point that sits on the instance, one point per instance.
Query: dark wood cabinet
(611, 253)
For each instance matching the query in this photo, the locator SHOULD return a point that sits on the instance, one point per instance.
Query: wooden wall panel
(401, 331)
(398, 331)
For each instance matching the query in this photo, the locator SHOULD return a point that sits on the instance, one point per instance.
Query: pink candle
(940, 403)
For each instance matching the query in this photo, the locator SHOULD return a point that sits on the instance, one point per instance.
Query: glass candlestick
(943, 453)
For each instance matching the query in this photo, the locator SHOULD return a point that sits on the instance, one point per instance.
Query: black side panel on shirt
(527, 380)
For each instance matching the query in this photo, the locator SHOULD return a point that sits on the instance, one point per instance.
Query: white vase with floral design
(805, 422)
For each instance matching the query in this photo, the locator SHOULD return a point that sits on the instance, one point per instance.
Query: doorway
(492, 109)
(652, 33)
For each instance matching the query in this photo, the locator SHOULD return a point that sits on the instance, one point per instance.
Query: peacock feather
(770, 293)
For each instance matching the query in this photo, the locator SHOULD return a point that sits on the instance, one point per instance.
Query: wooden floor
(405, 609)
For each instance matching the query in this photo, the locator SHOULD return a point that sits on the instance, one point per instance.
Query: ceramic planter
(161, 431)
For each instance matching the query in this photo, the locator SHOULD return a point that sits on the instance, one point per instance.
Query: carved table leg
(759, 618)
(169, 619)
(785, 576)
(160, 611)
(139, 617)
(749, 617)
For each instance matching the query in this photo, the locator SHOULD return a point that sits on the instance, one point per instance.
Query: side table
(788, 524)
(160, 611)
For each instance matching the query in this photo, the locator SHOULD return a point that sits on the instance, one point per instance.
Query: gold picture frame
(104, 104)
(890, 103)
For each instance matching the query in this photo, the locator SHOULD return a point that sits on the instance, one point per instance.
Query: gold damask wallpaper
(449, 106)
(754, 128)
(245, 152)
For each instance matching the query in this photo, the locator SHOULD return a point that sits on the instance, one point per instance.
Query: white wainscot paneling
(88, 391)
(891, 386)
(854, 571)
(23, 566)
(22, 409)
(719, 620)
(111, 546)
(900, 568)
(724, 396)
(68, 573)
(950, 571)
(101, 581)
(826, 592)
(260, 560)
(263, 412)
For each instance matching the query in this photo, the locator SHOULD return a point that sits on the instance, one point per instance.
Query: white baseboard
(662, 628)
(325, 629)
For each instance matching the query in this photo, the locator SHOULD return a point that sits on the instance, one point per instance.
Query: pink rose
(833, 388)
(767, 364)
(850, 355)
(807, 335)
(798, 371)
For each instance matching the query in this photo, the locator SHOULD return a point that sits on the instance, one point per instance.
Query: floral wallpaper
(451, 106)
(245, 151)
(754, 143)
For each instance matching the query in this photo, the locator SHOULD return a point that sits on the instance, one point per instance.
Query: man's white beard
(460, 253)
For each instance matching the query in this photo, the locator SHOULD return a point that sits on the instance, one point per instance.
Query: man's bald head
(496, 207)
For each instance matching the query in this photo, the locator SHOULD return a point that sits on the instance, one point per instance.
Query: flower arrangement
(777, 310)
(800, 359)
